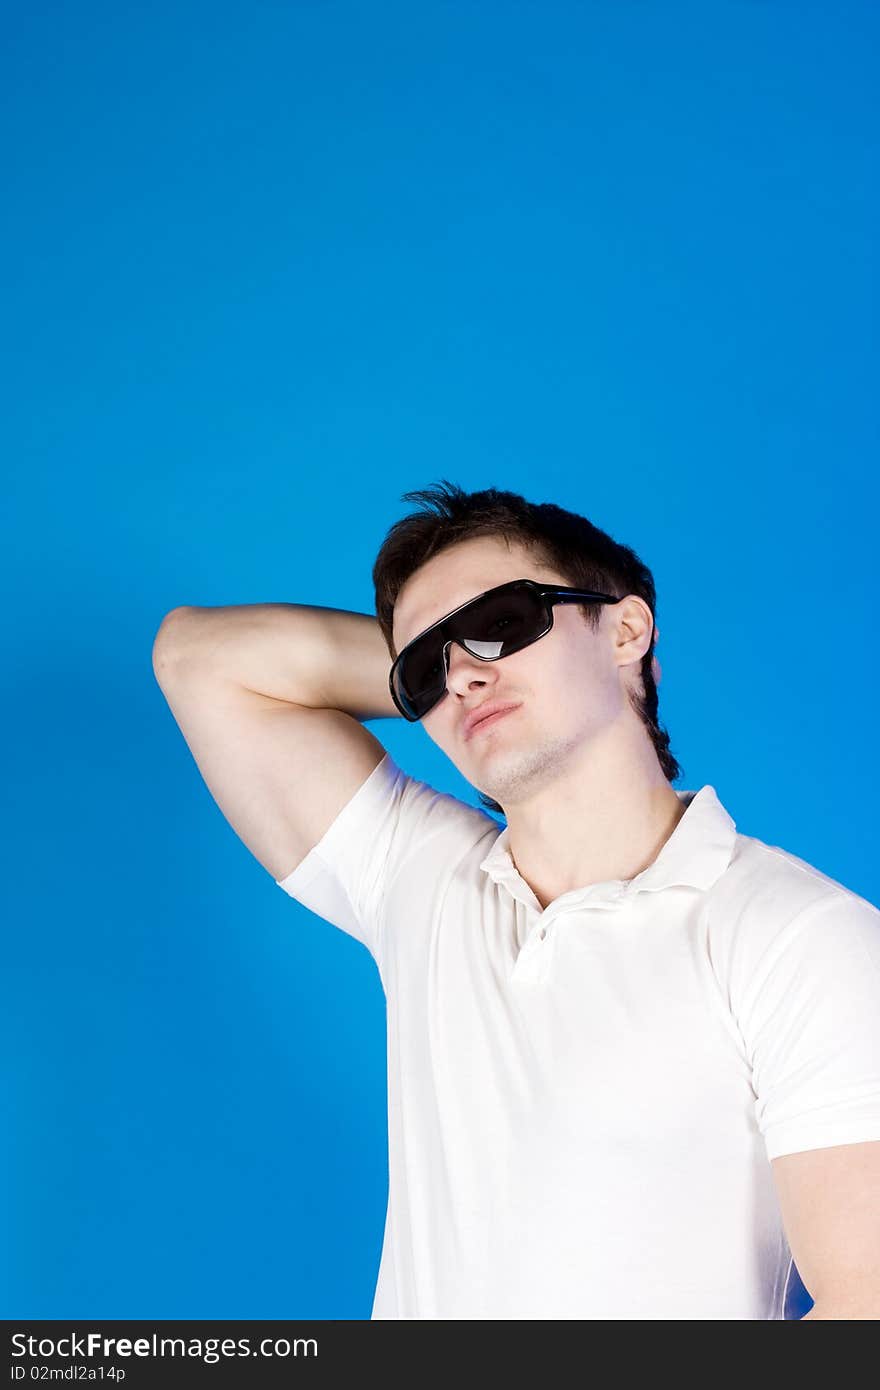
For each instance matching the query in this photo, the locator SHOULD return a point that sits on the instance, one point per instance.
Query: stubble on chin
(513, 775)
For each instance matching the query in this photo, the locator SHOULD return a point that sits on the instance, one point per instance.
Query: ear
(633, 631)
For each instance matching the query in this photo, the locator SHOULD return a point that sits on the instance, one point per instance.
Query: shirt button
(542, 932)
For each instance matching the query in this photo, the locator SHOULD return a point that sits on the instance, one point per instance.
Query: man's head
(593, 668)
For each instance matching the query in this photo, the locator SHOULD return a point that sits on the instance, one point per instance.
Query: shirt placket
(536, 954)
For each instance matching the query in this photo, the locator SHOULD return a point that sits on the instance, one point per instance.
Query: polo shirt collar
(696, 854)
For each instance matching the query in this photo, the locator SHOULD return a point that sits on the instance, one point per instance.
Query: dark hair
(566, 542)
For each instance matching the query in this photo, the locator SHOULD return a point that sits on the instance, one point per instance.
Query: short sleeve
(809, 1012)
(345, 877)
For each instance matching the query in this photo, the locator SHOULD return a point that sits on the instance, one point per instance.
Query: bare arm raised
(269, 698)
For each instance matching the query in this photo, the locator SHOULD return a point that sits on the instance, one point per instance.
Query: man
(634, 1055)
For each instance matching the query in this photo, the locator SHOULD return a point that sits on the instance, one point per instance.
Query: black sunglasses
(492, 625)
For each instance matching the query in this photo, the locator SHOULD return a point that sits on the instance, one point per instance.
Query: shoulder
(418, 818)
(768, 896)
(437, 808)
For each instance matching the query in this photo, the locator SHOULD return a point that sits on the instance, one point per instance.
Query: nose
(463, 667)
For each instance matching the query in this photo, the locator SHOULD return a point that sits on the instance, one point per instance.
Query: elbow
(161, 641)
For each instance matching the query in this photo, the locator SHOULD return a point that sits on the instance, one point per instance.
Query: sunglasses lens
(493, 627)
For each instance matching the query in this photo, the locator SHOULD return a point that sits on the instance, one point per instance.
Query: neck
(605, 817)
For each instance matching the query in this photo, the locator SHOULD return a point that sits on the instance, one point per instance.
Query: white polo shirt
(583, 1101)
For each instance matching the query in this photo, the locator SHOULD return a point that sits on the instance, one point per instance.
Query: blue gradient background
(265, 268)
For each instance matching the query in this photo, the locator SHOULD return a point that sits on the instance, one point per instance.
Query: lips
(484, 712)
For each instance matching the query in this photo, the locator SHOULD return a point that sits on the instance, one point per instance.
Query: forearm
(325, 658)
